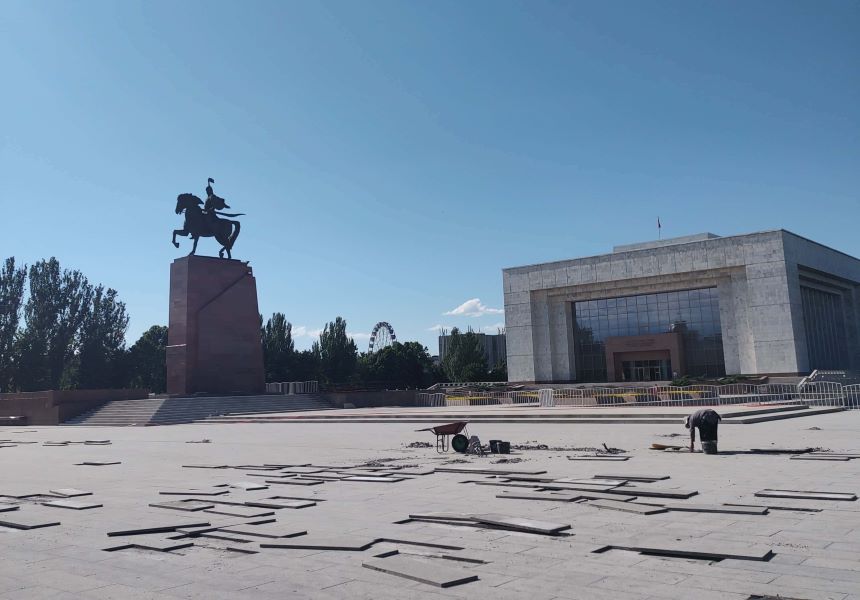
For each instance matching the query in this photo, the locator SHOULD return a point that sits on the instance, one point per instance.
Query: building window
(824, 323)
(695, 314)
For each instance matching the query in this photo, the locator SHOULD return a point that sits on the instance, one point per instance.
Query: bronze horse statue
(200, 223)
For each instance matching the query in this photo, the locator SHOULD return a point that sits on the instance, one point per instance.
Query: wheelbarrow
(443, 433)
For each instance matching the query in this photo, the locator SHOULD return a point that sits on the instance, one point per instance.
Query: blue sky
(393, 157)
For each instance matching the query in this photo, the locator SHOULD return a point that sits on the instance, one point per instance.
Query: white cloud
(438, 328)
(494, 328)
(302, 331)
(358, 336)
(474, 308)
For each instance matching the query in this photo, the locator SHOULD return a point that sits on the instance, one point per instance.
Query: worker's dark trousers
(708, 435)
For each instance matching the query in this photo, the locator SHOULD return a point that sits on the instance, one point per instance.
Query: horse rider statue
(208, 221)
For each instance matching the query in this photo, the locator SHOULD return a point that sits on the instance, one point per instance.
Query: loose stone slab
(443, 516)
(488, 471)
(716, 508)
(150, 542)
(248, 486)
(642, 478)
(589, 495)
(772, 507)
(374, 479)
(206, 466)
(273, 475)
(238, 511)
(190, 506)
(304, 470)
(694, 548)
(538, 496)
(423, 571)
(807, 495)
(209, 492)
(815, 457)
(8, 507)
(592, 482)
(781, 450)
(266, 531)
(652, 492)
(98, 463)
(161, 528)
(69, 492)
(520, 524)
(277, 504)
(72, 504)
(304, 482)
(341, 543)
(631, 507)
(25, 521)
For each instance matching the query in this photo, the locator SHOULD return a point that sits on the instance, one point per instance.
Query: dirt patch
(535, 445)
(506, 461)
(419, 445)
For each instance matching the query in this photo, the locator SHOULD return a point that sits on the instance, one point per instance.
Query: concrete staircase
(171, 411)
(738, 416)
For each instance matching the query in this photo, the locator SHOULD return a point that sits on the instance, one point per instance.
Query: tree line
(59, 331)
(334, 359)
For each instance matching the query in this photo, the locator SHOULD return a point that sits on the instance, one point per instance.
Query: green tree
(278, 349)
(400, 365)
(464, 360)
(337, 352)
(57, 305)
(499, 372)
(147, 360)
(306, 366)
(102, 342)
(11, 298)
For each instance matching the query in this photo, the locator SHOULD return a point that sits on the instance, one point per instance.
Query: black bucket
(504, 447)
(709, 447)
(494, 446)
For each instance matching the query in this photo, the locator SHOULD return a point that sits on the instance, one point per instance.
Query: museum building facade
(702, 305)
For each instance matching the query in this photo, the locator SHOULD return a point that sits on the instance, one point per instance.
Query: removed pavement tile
(189, 506)
(807, 495)
(422, 571)
(631, 507)
(72, 504)
(693, 548)
(521, 524)
(23, 520)
(343, 543)
(160, 528)
(69, 492)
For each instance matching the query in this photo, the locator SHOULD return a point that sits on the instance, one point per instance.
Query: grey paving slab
(806, 495)
(342, 543)
(695, 548)
(541, 496)
(191, 506)
(521, 524)
(630, 507)
(194, 492)
(248, 512)
(272, 530)
(69, 492)
(422, 571)
(25, 520)
(72, 504)
(305, 482)
(163, 526)
(278, 504)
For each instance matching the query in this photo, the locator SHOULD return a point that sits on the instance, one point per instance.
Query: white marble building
(763, 303)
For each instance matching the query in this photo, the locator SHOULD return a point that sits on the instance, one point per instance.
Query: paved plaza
(813, 554)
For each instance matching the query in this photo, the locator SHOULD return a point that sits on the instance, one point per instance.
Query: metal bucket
(709, 447)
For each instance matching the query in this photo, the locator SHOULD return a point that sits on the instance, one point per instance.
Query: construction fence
(823, 394)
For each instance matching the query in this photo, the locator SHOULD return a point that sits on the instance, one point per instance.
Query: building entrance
(646, 370)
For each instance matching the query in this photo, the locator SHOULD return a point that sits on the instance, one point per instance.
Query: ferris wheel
(381, 336)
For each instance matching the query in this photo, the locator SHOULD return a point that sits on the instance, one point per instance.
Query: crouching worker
(707, 421)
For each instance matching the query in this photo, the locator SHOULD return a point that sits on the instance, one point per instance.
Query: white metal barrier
(813, 393)
(293, 387)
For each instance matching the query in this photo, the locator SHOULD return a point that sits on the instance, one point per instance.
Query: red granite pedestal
(214, 332)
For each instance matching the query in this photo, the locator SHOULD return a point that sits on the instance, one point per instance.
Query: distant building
(494, 346)
(764, 303)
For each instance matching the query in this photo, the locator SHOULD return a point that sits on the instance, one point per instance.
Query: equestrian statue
(207, 221)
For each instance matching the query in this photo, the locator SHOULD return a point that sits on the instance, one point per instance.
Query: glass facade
(824, 322)
(693, 313)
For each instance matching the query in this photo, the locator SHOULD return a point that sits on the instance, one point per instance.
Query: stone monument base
(214, 341)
